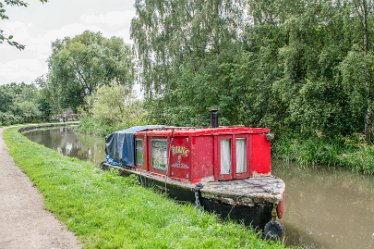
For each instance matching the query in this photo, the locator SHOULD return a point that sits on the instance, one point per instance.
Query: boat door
(233, 157)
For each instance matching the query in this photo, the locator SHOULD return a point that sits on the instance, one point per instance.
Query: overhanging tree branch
(9, 38)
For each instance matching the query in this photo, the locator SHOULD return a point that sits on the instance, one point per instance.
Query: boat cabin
(202, 154)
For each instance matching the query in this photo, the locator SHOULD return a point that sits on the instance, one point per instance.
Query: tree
(79, 64)
(364, 10)
(168, 34)
(357, 68)
(19, 104)
(46, 102)
(302, 66)
(3, 36)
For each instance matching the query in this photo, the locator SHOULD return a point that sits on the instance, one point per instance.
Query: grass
(109, 211)
(350, 152)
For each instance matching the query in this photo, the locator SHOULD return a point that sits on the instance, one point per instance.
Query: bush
(8, 118)
(111, 108)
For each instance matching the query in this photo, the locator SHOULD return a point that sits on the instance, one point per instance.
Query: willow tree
(80, 64)
(168, 34)
(357, 68)
(365, 12)
(303, 65)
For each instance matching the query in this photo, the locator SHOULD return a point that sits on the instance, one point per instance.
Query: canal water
(325, 208)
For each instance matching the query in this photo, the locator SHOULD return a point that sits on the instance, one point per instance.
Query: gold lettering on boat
(181, 150)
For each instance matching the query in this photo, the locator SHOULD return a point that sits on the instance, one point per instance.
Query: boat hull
(255, 216)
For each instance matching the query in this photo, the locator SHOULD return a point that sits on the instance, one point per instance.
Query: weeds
(348, 152)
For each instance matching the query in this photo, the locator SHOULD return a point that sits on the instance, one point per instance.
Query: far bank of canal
(326, 208)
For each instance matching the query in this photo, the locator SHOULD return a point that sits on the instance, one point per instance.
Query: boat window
(139, 152)
(159, 154)
(225, 156)
(241, 155)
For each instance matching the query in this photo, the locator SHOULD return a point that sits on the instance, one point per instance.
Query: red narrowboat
(226, 170)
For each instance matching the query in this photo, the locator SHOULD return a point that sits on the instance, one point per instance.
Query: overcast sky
(40, 24)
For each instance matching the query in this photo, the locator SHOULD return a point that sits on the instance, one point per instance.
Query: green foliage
(47, 104)
(21, 103)
(361, 160)
(353, 74)
(108, 211)
(111, 108)
(80, 64)
(303, 66)
(350, 152)
(298, 67)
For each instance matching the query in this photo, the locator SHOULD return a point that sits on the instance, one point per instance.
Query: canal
(325, 208)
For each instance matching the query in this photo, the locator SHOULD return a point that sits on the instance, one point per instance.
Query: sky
(38, 25)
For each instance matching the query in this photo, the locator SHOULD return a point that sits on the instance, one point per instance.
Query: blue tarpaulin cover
(120, 145)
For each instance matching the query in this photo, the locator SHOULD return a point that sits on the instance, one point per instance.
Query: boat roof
(194, 131)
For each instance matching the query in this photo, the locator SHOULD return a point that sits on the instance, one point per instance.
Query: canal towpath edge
(24, 222)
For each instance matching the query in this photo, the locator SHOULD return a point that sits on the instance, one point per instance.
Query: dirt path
(24, 223)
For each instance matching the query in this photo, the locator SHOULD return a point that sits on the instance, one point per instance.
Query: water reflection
(67, 142)
(325, 208)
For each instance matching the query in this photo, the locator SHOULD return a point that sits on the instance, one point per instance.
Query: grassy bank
(108, 211)
(351, 153)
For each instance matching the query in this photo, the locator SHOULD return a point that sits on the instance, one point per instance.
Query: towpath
(24, 223)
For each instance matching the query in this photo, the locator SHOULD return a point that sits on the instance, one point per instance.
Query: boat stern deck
(246, 192)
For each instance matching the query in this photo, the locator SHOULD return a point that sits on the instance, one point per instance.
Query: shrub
(111, 108)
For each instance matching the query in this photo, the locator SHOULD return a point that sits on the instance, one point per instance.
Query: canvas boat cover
(120, 145)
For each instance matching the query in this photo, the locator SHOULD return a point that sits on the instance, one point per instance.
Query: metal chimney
(214, 118)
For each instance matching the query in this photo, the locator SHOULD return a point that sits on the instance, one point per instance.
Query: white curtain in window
(139, 152)
(241, 155)
(159, 154)
(225, 156)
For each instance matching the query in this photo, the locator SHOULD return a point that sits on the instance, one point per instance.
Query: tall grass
(108, 211)
(347, 152)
